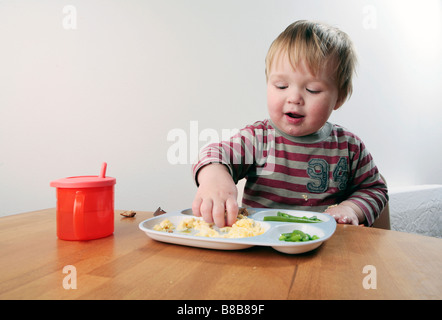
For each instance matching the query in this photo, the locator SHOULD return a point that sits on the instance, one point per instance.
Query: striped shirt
(303, 173)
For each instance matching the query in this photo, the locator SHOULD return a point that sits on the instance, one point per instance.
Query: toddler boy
(296, 159)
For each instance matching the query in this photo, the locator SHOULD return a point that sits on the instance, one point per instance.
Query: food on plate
(165, 225)
(297, 236)
(242, 228)
(205, 229)
(285, 217)
(243, 212)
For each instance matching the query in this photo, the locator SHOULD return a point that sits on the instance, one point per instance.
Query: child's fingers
(232, 211)
(355, 221)
(347, 220)
(196, 206)
(218, 211)
(343, 220)
(206, 210)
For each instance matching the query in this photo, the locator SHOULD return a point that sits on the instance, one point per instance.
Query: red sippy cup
(85, 206)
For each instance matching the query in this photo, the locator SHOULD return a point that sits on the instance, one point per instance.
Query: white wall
(134, 71)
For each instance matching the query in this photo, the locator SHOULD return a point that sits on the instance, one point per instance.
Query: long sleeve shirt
(302, 173)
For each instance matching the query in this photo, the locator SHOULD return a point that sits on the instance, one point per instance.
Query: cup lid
(86, 181)
(83, 182)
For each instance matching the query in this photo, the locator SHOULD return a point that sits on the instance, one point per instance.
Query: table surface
(130, 265)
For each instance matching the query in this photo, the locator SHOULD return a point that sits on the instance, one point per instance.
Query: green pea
(297, 236)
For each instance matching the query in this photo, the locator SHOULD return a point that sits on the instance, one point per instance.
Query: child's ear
(339, 103)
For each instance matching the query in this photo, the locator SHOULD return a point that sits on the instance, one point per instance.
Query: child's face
(299, 102)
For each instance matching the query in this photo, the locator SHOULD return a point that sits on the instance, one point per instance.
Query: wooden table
(130, 265)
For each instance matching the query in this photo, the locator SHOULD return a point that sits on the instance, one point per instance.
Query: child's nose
(295, 97)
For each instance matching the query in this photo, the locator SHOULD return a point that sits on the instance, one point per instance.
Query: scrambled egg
(165, 225)
(243, 227)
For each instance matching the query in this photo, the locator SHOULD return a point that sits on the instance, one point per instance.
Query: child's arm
(217, 194)
(367, 190)
(220, 166)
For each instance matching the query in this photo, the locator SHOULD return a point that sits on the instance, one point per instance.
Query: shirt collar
(318, 136)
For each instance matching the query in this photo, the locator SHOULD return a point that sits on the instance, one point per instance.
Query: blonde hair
(320, 46)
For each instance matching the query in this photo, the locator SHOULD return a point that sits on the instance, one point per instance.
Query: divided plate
(324, 230)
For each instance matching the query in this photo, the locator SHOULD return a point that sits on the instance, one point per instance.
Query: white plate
(324, 230)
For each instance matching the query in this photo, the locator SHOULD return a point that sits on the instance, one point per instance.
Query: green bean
(284, 217)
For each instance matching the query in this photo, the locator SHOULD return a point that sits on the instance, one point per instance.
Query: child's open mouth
(293, 118)
(294, 115)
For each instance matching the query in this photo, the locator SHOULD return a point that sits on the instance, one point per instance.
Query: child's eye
(281, 87)
(313, 91)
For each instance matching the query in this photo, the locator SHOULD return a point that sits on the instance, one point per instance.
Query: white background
(134, 71)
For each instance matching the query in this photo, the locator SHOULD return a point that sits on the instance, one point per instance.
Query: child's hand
(216, 195)
(346, 213)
